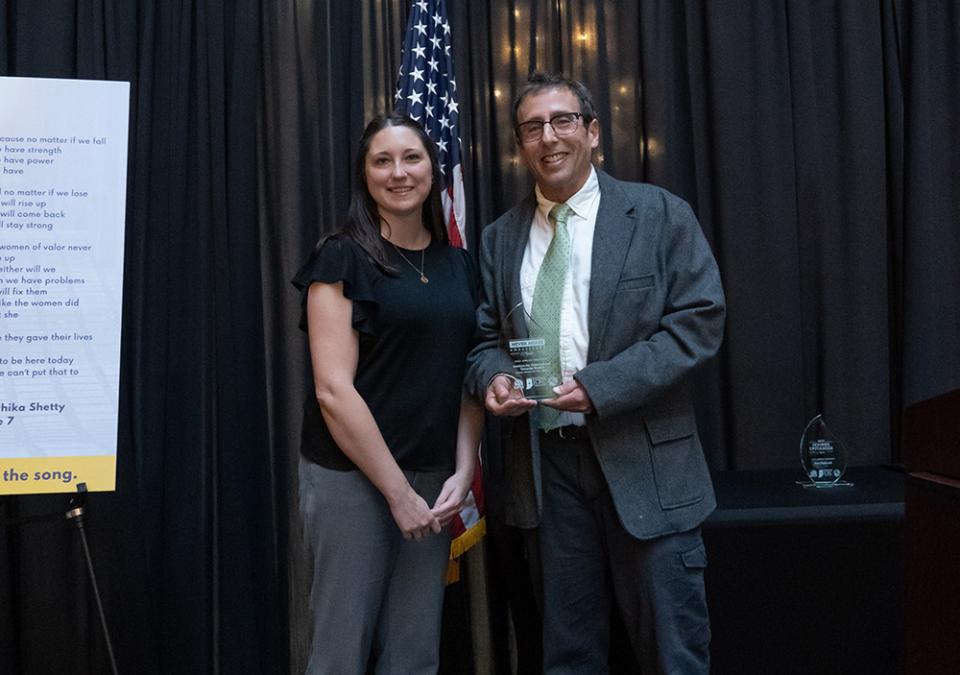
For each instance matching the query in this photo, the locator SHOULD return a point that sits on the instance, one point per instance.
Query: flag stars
(426, 65)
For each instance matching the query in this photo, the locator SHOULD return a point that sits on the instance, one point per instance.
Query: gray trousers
(376, 598)
(589, 560)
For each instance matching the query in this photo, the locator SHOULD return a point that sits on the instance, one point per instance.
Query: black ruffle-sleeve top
(414, 339)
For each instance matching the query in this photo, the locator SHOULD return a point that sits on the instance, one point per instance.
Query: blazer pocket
(675, 455)
(636, 283)
(670, 427)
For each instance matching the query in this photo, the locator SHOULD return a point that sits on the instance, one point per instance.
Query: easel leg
(75, 512)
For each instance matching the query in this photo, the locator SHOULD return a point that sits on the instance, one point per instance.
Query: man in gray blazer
(610, 470)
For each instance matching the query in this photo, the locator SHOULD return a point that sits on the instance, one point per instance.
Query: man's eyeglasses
(563, 124)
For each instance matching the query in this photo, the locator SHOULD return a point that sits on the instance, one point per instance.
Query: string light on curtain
(511, 52)
(653, 147)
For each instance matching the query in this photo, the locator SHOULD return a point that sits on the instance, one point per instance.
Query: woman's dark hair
(363, 218)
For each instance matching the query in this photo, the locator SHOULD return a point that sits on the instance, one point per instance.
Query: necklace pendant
(423, 279)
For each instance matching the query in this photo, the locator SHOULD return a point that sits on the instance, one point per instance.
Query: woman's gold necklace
(423, 251)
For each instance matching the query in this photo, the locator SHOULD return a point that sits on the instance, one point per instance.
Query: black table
(766, 497)
(805, 580)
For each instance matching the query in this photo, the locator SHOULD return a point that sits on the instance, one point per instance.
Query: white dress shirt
(574, 334)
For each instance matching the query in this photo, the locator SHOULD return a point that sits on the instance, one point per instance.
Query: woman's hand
(413, 516)
(452, 495)
(334, 351)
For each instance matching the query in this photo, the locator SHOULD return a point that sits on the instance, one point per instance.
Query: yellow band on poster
(41, 475)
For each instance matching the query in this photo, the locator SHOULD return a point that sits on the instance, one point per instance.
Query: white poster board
(63, 168)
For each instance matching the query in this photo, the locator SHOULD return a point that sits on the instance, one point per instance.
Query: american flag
(427, 92)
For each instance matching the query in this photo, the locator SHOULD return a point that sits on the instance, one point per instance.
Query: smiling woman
(379, 485)
(399, 177)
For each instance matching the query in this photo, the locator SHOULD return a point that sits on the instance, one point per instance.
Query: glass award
(535, 373)
(822, 456)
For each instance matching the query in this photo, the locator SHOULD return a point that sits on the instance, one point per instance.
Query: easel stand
(76, 507)
(75, 513)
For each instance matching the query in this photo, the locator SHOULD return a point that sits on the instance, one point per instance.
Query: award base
(823, 486)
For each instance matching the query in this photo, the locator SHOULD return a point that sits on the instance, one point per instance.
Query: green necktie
(548, 298)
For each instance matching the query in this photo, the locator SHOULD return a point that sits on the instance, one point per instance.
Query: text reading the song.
(14, 476)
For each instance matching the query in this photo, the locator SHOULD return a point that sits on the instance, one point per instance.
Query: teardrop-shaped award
(822, 456)
(536, 366)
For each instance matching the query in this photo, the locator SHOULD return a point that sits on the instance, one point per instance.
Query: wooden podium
(932, 457)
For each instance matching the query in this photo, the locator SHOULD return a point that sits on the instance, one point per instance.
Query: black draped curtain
(816, 141)
(188, 549)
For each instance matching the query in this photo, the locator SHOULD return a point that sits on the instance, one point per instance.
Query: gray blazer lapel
(515, 242)
(616, 220)
(516, 234)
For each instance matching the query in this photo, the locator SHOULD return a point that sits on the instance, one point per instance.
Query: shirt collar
(580, 201)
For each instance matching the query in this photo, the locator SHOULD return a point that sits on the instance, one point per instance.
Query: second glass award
(822, 456)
